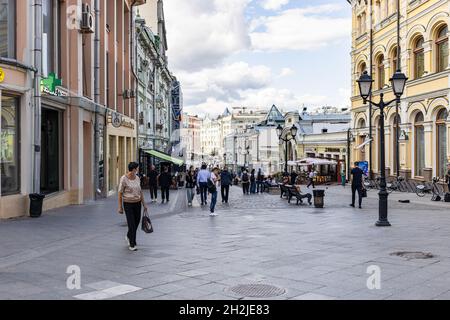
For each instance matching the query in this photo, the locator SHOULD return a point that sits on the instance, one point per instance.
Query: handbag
(364, 193)
(147, 226)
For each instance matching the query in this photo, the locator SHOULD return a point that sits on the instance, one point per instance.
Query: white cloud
(203, 33)
(274, 4)
(285, 72)
(299, 29)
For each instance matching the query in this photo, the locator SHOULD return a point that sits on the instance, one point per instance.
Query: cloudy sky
(255, 53)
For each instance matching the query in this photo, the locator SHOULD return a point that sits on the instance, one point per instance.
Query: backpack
(245, 177)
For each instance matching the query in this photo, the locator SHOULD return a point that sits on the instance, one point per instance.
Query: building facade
(68, 124)
(418, 147)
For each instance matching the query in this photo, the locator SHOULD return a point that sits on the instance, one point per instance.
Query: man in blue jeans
(202, 181)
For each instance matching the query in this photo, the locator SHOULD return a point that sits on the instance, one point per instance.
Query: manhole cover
(413, 255)
(257, 290)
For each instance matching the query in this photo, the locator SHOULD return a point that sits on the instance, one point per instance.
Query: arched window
(380, 72)
(441, 142)
(442, 49)
(394, 60)
(419, 59)
(361, 124)
(419, 142)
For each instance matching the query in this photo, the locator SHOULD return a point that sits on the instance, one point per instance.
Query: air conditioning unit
(87, 19)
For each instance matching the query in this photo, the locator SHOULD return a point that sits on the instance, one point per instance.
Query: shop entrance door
(51, 151)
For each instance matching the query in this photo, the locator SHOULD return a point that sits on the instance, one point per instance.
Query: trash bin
(36, 201)
(318, 198)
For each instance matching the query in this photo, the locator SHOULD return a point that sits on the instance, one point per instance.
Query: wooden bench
(293, 192)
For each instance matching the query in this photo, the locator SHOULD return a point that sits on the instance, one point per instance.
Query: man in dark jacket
(357, 184)
(165, 181)
(153, 183)
(226, 179)
(294, 176)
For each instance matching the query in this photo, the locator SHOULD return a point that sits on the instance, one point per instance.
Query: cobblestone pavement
(309, 253)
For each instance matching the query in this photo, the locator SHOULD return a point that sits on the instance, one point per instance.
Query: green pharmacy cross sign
(52, 85)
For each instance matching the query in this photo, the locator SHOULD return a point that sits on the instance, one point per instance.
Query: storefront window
(9, 151)
(420, 145)
(441, 142)
(7, 28)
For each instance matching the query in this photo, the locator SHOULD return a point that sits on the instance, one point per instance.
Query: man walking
(245, 182)
(225, 181)
(357, 184)
(213, 181)
(202, 181)
(311, 179)
(165, 181)
(153, 183)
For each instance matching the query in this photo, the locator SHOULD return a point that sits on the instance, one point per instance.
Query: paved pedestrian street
(304, 252)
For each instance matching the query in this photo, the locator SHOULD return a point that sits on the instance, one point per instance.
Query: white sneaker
(132, 248)
(213, 214)
(127, 240)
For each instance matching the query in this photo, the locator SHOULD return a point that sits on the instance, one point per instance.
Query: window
(9, 142)
(8, 28)
(419, 145)
(442, 49)
(441, 142)
(394, 63)
(380, 72)
(419, 61)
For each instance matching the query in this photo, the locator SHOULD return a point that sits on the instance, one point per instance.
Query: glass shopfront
(9, 142)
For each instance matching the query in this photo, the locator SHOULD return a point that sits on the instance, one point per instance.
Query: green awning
(165, 157)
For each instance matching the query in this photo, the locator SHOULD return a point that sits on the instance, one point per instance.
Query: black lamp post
(398, 82)
(289, 135)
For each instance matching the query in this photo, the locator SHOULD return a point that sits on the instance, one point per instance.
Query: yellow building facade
(424, 149)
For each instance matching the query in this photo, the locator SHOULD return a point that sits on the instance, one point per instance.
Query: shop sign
(332, 150)
(2, 75)
(52, 86)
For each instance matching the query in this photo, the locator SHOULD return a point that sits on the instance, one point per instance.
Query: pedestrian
(153, 183)
(294, 176)
(260, 181)
(191, 182)
(357, 184)
(311, 175)
(212, 188)
(245, 179)
(131, 200)
(226, 179)
(165, 181)
(202, 182)
(253, 182)
(343, 178)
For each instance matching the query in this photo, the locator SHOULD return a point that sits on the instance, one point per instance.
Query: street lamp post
(398, 82)
(289, 135)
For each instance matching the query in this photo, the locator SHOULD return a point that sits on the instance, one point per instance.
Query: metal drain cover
(413, 255)
(257, 290)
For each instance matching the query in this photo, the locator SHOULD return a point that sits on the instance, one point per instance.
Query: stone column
(428, 57)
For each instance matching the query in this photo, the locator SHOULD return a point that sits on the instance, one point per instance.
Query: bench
(293, 192)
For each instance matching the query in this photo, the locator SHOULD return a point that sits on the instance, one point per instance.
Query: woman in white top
(131, 200)
(213, 190)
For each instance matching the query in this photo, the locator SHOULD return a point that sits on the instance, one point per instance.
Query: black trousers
(165, 191)
(359, 189)
(133, 214)
(153, 191)
(204, 192)
(246, 188)
(225, 192)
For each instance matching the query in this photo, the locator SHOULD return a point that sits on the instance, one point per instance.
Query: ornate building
(423, 149)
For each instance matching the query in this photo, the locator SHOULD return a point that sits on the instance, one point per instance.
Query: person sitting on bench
(300, 196)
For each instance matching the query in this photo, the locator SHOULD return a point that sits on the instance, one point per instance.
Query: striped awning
(165, 157)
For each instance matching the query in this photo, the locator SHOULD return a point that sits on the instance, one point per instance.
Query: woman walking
(191, 182)
(253, 182)
(213, 190)
(131, 200)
